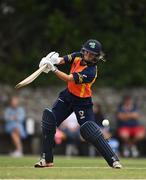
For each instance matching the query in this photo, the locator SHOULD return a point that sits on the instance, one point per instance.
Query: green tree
(30, 29)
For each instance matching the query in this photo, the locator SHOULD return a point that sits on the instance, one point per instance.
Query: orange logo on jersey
(82, 90)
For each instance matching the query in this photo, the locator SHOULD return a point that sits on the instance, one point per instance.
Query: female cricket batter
(76, 97)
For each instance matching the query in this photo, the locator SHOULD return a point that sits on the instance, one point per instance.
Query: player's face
(88, 56)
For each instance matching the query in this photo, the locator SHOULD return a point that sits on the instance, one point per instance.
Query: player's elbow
(70, 77)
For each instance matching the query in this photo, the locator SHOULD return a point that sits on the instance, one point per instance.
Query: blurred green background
(32, 28)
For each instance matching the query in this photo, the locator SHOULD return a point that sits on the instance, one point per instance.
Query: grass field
(71, 168)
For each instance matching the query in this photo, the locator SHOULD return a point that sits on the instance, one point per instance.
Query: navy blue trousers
(68, 103)
(62, 108)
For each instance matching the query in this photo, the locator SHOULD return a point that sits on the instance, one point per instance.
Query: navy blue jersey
(70, 57)
(85, 76)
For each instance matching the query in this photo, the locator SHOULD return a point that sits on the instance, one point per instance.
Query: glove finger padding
(43, 62)
(53, 57)
(50, 54)
(46, 70)
(51, 66)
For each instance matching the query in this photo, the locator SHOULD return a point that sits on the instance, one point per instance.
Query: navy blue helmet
(92, 46)
(95, 47)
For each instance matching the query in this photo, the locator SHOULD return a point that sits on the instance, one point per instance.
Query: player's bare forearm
(64, 76)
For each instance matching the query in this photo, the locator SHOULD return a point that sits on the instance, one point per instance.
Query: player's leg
(62, 109)
(51, 119)
(91, 132)
(48, 125)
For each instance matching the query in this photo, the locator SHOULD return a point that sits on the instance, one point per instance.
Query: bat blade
(31, 78)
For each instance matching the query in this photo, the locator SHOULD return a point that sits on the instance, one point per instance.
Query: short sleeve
(70, 57)
(85, 76)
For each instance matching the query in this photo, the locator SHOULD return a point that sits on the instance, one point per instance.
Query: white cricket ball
(105, 122)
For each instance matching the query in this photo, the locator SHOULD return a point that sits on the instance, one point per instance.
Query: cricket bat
(31, 78)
